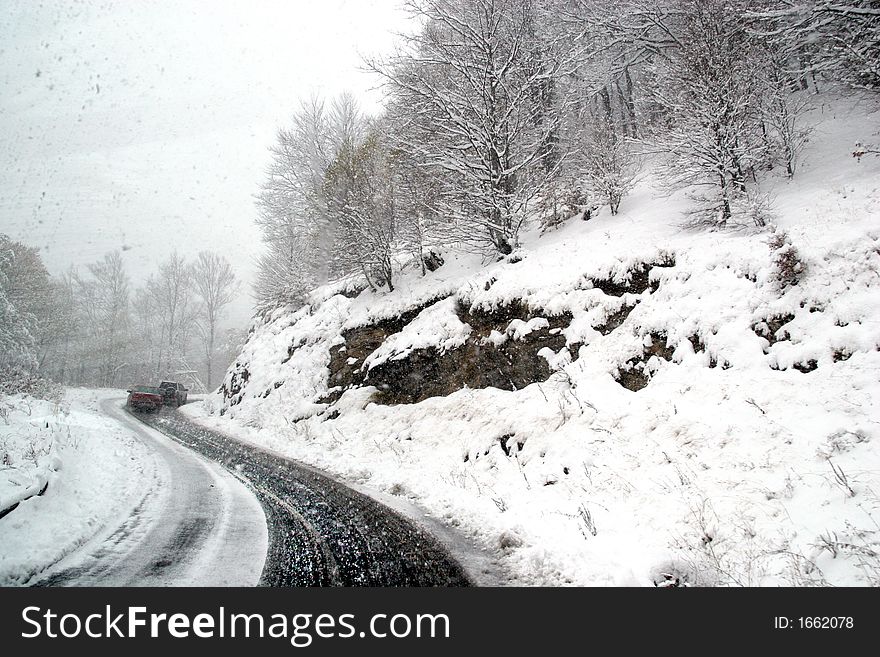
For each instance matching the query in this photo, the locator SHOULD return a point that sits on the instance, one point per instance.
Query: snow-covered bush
(18, 379)
(788, 265)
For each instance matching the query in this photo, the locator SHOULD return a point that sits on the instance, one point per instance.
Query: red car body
(145, 398)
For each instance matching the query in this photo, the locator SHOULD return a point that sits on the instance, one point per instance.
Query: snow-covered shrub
(18, 379)
(610, 167)
(787, 262)
(720, 549)
(677, 573)
(561, 201)
(753, 208)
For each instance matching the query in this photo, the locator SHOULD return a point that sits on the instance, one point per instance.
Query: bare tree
(283, 275)
(300, 234)
(782, 121)
(216, 286)
(103, 302)
(608, 165)
(710, 95)
(477, 79)
(172, 299)
(291, 215)
(61, 351)
(147, 345)
(26, 312)
(360, 194)
(422, 226)
(839, 38)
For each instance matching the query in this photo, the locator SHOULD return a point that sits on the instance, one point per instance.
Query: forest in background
(95, 328)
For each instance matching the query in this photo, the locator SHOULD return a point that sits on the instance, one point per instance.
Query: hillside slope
(624, 401)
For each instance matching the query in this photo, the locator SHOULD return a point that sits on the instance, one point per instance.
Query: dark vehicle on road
(174, 394)
(145, 398)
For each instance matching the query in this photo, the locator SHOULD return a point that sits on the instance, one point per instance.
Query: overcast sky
(144, 126)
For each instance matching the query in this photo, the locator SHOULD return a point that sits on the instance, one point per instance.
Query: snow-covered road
(196, 525)
(321, 532)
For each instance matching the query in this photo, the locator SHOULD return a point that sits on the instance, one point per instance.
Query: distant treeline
(91, 327)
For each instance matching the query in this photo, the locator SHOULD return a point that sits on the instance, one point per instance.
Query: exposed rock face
(446, 344)
(636, 280)
(770, 329)
(507, 362)
(237, 382)
(634, 374)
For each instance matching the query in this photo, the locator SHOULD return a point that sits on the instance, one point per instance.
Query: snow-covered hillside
(624, 401)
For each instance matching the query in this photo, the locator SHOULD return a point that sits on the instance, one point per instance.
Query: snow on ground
(96, 473)
(745, 460)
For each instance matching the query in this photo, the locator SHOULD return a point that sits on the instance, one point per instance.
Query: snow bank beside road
(28, 448)
(96, 472)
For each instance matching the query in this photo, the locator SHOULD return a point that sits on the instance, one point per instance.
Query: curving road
(195, 524)
(321, 533)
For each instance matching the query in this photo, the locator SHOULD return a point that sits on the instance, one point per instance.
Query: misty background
(145, 126)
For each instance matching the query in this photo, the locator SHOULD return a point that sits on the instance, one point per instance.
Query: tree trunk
(765, 138)
(624, 113)
(630, 103)
(606, 105)
(210, 364)
(725, 199)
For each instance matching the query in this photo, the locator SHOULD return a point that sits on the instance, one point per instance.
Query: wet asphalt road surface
(321, 533)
